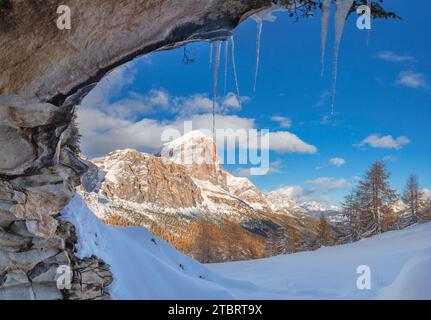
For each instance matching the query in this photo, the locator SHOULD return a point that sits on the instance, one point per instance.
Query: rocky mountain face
(179, 196)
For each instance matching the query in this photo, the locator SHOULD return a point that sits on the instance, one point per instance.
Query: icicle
(226, 63)
(211, 55)
(216, 71)
(326, 10)
(232, 40)
(258, 39)
(341, 12)
(260, 17)
(215, 82)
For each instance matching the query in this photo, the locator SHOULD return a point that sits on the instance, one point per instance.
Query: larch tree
(352, 214)
(414, 198)
(293, 239)
(325, 237)
(389, 219)
(376, 196)
(370, 204)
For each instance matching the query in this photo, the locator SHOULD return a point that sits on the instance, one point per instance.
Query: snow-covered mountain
(286, 200)
(186, 183)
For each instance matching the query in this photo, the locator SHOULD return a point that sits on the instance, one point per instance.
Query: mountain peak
(190, 139)
(194, 148)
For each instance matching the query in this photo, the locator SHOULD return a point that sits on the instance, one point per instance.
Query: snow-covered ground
(146, 267)
(399, 261)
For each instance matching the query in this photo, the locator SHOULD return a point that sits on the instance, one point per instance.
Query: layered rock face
(143, 178)
(39, 174)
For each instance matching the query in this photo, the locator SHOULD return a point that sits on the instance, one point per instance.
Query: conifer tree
(375, 196)
(324, 232)
(293, 238)
(351, 212)
(370, 203)
(389, 221)
(414, 198)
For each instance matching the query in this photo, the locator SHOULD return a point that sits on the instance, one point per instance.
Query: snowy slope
(400, 263)
(145, 267)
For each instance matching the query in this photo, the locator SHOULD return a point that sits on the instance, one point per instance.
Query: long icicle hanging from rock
(226, 62)
(341, 12)
(259, 23)
(326, 10)
(235, 74)
(211, 55)
(215, 84)
(259, 18)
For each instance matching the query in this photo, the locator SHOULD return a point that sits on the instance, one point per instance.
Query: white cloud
(107, 124)
(283, 122)
(157, 100)
(300, 194)
(274, 167)
(230, 101)
(284, 141)
(110, 86)
(427, 193)
(325, 183)
(295, 193)
(197, 103)
(103, 133)
(411, 79)
(201, 103)
(338, 162)
(384, 142)
(394, 57)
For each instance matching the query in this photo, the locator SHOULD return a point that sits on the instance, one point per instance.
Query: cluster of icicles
(341, 11)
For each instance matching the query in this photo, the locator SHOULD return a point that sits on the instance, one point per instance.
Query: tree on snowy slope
(414, 198)
(371, 202)
(293, 239)
(426, 215)
(390, 220)
(325, 238)
(351, 211)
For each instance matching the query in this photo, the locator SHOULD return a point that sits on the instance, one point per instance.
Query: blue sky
(383, 90)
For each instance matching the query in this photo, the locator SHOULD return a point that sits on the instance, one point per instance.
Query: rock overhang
(39, 61)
